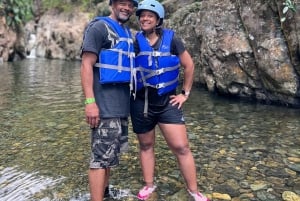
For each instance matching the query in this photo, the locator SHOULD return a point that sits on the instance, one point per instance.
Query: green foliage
(288, 5)
(64, 5)
(67, 5)
(16, 12)
(196, 7)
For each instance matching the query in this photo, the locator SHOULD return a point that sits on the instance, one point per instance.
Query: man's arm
(91, 109)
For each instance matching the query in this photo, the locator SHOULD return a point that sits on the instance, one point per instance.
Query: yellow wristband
(89, 101)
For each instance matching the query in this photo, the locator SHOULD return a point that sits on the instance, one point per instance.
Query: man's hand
(92, 115)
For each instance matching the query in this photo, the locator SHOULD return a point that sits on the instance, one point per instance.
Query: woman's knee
(182, 150)
(146, 146)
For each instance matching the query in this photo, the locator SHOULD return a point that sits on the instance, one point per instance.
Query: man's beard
(122, 20)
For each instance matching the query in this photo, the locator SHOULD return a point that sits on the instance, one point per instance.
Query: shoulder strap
(142, 41)
(167, 38)
(121, 31)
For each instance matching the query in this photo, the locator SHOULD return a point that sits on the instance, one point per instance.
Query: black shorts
(166, 114)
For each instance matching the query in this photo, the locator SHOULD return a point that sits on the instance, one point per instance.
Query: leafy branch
(288, 5)
(16, 12)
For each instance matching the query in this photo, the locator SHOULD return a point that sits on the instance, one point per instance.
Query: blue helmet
(154, 6)
(135, 2)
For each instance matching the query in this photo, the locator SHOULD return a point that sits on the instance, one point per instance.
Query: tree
(16, 12)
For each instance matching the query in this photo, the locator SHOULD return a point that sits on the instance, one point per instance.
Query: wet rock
(294, 159)
(231, 188)
(290, 196)
(295, 167)
(179, 196)
(258, 186)
(221, 196)
(277, 173)
(266, 196)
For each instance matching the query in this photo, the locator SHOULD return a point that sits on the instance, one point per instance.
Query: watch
(185, 93)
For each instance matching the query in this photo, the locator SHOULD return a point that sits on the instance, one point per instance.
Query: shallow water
(44, 142)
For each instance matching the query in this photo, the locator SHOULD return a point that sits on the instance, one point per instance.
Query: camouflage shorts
(108, 141)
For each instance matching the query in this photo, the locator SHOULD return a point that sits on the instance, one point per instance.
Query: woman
(155, 102)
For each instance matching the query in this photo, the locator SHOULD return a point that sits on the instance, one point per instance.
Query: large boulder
(241, 48)
(7, 41)
(59, 35)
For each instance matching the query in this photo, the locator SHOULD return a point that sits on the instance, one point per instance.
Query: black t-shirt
(112, 99)
(177, 48)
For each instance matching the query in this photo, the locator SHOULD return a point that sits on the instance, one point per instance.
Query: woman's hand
(178, 99)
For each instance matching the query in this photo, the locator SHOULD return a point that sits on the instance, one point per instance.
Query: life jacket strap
(154, 53)
(162, 85)
(108, 66)
(146, 105)
(152, 73)
(128, 40)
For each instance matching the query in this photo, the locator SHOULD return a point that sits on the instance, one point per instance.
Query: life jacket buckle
(159, 71)
(158, 86)
(132, 55)
(155, 53)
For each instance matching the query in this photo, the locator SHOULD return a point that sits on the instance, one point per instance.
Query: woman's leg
(147, 160)
(147, 156)
(176, 138)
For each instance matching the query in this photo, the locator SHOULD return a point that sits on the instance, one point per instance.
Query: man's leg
(106, 186)
(105, 150)
(97, 179)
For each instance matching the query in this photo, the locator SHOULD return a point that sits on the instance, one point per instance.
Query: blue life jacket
(115, 64)
(158, 69)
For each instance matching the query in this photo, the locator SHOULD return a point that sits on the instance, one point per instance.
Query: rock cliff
(240, 48)
(7, 41)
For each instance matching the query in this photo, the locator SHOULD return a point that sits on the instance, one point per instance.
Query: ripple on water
(44, 134)
(19, 185)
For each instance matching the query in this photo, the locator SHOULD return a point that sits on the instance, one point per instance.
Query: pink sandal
(145, 192)
(198, 196)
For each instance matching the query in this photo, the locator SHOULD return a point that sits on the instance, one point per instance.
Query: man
(107, 57)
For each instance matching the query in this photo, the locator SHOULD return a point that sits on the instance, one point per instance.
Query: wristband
(89, 101)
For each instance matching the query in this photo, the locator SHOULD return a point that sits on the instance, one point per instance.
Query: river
(245, 150)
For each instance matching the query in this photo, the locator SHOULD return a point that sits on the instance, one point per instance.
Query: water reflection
(41, 111)
(44, 141)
